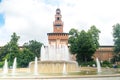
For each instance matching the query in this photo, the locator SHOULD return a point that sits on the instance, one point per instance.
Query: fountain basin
(75, 77)
(54, 66)
(83, 73)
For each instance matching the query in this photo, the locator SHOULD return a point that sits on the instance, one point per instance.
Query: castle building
(58, 36)
(104, 53)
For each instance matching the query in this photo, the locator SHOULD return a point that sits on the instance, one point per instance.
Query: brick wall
(104, 53)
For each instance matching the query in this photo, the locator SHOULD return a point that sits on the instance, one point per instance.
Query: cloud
(27, 18)
(33, 19)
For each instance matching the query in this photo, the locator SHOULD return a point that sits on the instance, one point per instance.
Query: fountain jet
(60, 52)
(98, 66)
(14, 66)
(5, 67)
(64, 69)
(36, 67)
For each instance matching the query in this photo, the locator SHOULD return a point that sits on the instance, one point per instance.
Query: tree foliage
(13, 47)
(73, 33)
(3, 52)
(34, 46)
(116, 36)
(95, 35)
(25, 57)
(10, 50)
(83, 43)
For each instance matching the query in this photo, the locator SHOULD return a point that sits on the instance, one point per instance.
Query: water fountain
(53, 59)
(98, 66)
(14, 67)
(5, 67)
(36, 67)
(60, 52)
(52, 68)
(64, 69)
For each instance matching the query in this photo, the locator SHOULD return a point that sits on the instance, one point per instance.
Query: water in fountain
(67, 53)
(53, 58)
(14, 66)
(64, 69)
(42, 53)
(36, 67)
(60, 52)
(98, 66)
(5, 67)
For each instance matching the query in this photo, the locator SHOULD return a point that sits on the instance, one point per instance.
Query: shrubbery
(106, 64)
(88, 63)
(1, 64)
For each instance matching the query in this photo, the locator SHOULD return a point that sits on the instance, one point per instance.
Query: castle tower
(58, 36)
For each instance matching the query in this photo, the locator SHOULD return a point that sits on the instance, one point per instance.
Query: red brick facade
(58, 36)
(104, 53)
(58, 24)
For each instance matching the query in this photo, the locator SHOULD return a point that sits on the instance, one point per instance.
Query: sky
(33, 19)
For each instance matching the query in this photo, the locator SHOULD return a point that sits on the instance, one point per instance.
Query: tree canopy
(94, 32)
(83, 43)
(24, 55)
(10, 50)
(116, 36)
(34, 46)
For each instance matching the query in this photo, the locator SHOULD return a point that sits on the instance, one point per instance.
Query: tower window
(58, 25)
(58, 12)
(58, 18)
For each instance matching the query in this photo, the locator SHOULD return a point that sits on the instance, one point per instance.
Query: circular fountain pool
(88, 74)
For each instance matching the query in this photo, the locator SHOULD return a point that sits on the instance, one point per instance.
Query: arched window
(58, 18)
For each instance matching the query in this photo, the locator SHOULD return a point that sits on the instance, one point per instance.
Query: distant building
(58, 36)
(104, 53)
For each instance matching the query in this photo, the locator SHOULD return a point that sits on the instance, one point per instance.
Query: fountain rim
(52, 61)
(62, 77)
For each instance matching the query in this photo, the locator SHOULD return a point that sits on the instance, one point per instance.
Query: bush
(87, 63)
(1, 64)
(106, 64)
(118, 66)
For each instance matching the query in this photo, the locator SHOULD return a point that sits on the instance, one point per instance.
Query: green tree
(85, 47)
(3, 52)
(25, 57)
(84, 44)
(73, 36)
(116, 36)
(13, 48)
(10, 50)
(95, 35)
(73, 32)
(34, 46)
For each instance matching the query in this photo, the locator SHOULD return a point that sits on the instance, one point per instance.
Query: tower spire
(58, 24)
(58, 37)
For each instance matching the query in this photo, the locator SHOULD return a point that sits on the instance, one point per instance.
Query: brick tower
(58, 36)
